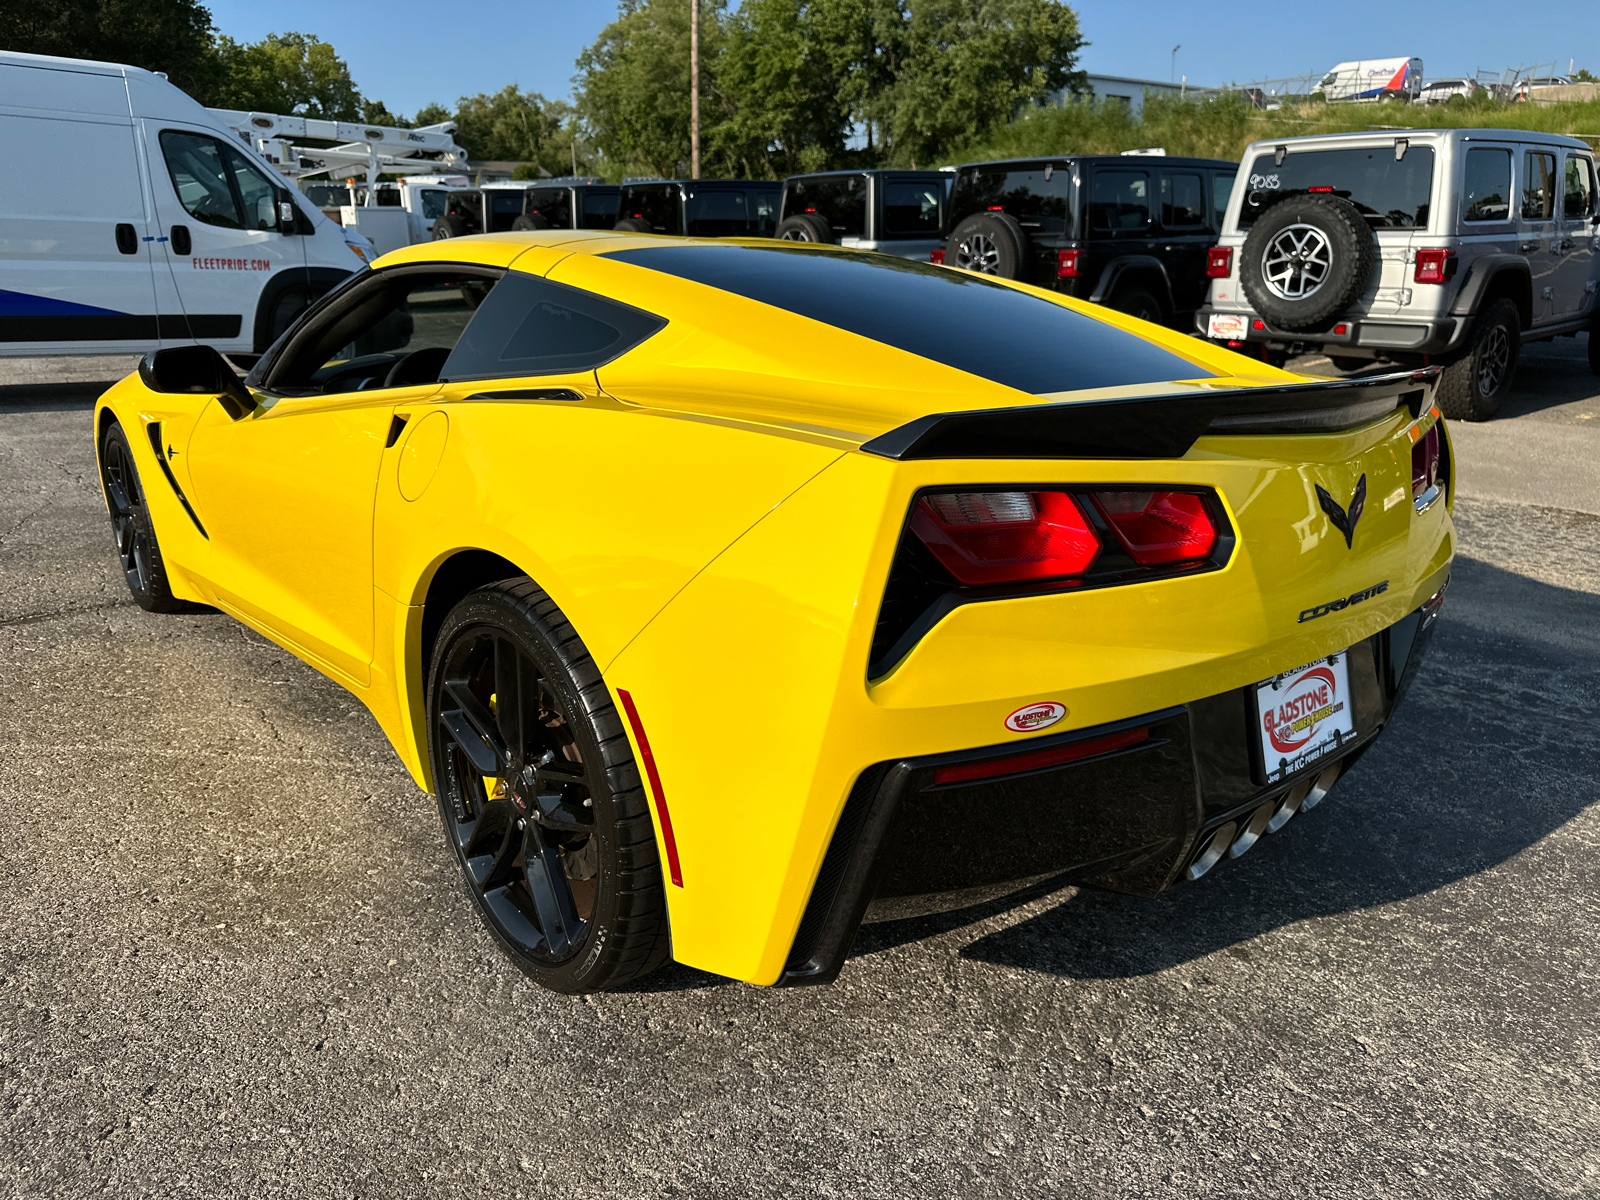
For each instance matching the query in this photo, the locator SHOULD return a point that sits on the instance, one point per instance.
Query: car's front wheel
(541, 799)
(1476, 382)
(137, 549)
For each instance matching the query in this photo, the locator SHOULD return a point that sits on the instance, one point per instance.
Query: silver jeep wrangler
(1447, 246)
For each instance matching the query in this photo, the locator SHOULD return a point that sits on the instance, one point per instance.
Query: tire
(1306, 260)
(1594, 348)
(143, 568)
(1137, 302)
(527, 223)
(285, 311)
(594, 916)
(990, 244)
(805, 227)
(634, 225)
(1476, 382)
(448, 227)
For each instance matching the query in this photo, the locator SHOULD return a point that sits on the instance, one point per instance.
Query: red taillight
(1434, 266)
(1258, 324)
(1219, 262)
(1067, 263)
(1159, 528)
(1319, 189)
(936, 256)
(1425, 463)
(1054, 756)
(997, 208)
(987, 538)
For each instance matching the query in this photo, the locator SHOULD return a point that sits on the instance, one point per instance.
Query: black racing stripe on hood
(952, 317)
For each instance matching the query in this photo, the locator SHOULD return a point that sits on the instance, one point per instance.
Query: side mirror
(288, 215)
(197, 370)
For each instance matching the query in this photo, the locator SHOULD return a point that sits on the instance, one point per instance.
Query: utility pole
(694, 89)
(1174, 75)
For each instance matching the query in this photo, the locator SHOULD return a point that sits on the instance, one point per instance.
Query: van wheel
(990, 244)
(1137, 302)
(285, 312)
(1477, 381)
(142, 565)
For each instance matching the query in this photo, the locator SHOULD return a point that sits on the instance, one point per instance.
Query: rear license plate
(1303, 715)
(1228, 327)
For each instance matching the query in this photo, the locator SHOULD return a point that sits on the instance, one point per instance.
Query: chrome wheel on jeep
(1296, 262)
(978, 253)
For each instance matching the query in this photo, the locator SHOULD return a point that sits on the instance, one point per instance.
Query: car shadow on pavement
(52, 397)
(1490, 752)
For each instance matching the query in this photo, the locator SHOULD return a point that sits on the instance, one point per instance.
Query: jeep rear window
(1036, 202)
(912, 209)
(952, 317)
(600, 209)
(841, 200)
(1390, 194)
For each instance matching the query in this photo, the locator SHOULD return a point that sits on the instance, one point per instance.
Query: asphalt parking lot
(235, 959)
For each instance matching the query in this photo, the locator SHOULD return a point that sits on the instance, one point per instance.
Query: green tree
(517, 126)
(1585, 75)
(431, 114)
(173, 36)
(292, 73)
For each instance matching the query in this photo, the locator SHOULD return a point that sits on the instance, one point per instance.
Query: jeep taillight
(1067, 263)
(1434, 266)
(1219, 262)
(1158, 528)
(1425, 466)
(985, 538)
(936, 257)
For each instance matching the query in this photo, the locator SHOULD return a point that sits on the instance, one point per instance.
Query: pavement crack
(36, 618)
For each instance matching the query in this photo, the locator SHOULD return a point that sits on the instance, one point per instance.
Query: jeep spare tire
(634, 225)
(805, 227)
(448, 227)
(1306, 260)
(530, 223)
(991, 243)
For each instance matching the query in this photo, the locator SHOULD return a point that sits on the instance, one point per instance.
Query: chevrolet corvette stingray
(718, 587)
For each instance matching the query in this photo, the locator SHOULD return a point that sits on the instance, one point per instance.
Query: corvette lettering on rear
(1344, 602)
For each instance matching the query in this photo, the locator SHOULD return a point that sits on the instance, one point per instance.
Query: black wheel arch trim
(1482, 273)
(1140, 264)
(295, 278)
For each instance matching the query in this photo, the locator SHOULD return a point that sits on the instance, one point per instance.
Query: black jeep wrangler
(700, 207)
(896, 212)
(1128, 231)
(548, 204)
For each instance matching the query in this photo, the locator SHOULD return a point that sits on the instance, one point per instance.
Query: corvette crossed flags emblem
(1344, 520)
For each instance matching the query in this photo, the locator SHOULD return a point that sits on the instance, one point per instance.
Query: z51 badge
(1303, 715)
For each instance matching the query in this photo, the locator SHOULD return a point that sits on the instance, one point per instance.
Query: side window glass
(1119, 201)
(1486, 186)
(1221, 193)
(764, 212)
(553, 204)
(1182, 202)
(397, 333)
(530, 326)
(1577, 188)
(433, 202)
(1538, 186)
(718, 214)
(256, 193)
(200, 178)
(600, 210)
(912, 209)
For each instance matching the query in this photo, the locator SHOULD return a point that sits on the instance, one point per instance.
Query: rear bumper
(1419, 335)
(1134, 820)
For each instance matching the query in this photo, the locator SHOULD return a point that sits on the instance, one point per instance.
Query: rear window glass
(1538, 186)
(1390, 194)
(1040, 198)
(600, 209)
(530, 326)
(505, 202)
(1486, 186)
(841, 200)
(912, 209)
(658, 205)
(959, 319)
(718, 214)
(553, 204)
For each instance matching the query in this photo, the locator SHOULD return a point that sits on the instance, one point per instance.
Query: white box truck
(1373, 79)
(137, 220)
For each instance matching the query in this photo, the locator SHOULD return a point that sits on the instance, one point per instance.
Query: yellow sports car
(715, 587)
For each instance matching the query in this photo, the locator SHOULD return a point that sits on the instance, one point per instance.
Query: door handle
(180, 240)
(127, 239)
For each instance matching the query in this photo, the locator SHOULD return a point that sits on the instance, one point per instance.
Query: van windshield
(1391, 194)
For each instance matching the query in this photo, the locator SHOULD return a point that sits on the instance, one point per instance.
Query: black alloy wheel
(137, 549)
(540, 796)
(1475, 383)
(1136, 302)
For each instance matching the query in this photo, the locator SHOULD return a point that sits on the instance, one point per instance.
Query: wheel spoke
(550, 891)
(474, 729)
(517, 700)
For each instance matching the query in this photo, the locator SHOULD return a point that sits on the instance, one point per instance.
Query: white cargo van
(1373, 79)
(140, 221)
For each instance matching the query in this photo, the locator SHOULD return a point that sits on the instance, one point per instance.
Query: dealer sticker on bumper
(1226, 326)
(1304, 715)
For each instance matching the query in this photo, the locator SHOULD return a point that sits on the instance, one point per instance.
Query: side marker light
(674, 871)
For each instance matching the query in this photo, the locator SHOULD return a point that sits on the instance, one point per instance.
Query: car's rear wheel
(805, 227)
(541, 799)
(1137, 302)
(1476, 382)
(989, 243)
(137, 549)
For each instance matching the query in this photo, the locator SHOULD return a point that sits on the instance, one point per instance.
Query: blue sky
(409, 52)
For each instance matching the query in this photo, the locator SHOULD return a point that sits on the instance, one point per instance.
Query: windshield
(1040, 197)
(1390, 194)
(433, 202)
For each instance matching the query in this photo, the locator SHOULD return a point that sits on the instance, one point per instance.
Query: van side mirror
(197, 371)
(288, 215)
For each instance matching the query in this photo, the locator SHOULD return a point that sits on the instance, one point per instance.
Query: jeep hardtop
(894, 212)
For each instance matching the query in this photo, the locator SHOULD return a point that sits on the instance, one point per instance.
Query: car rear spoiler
(1156, 426)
